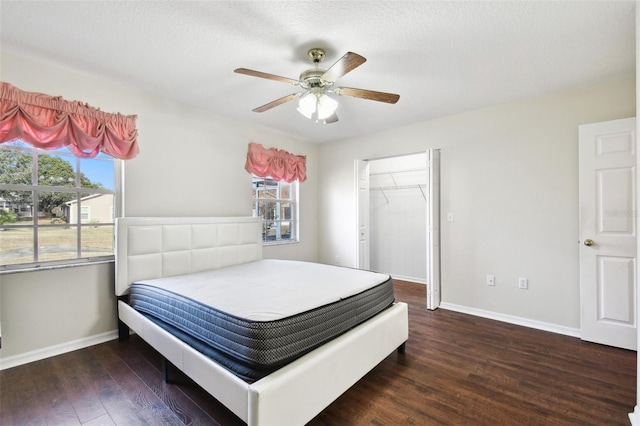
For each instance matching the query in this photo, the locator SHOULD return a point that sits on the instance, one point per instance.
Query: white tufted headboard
(156, 247)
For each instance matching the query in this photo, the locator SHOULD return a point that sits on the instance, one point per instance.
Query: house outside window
(56, 208)
(276, 202)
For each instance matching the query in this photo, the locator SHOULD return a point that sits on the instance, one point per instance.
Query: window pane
(285, 190)
(270, 211)
(54, 205)
(97, 173)
(268, 231)
(270, 193)
(57, 242)
(267, 209)
(16, 245)
(97, 241)
(97, 208)
(286, 210)
(257, 187)
(268, 189)
(16, 207)
(62, 150)
(18, 144)
(285, 230)
(56, 170)
(104, 207)
(16, 167)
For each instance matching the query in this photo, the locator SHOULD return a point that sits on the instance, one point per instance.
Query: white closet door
(433, 229)
(362, 214)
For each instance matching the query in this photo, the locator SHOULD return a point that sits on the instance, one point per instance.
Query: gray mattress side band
(261, 344)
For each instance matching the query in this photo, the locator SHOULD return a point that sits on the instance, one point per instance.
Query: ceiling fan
(314, 102)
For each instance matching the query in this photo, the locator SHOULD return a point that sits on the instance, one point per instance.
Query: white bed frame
(158, 247)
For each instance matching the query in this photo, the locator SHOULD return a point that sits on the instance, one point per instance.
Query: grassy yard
(54, 243)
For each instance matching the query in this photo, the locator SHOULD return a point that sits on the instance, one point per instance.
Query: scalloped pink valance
(50, 122)
(275, 163)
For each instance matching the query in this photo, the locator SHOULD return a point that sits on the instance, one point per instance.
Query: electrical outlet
(523, 283)
(491, 280)
(450, 217)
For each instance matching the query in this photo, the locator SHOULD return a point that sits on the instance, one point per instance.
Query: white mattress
(270, 289)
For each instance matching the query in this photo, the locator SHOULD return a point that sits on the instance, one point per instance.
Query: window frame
(81, 192)
(293, 200)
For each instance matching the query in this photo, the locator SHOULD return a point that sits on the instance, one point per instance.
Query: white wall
(55, 307)
(191, 162)
(510, 177)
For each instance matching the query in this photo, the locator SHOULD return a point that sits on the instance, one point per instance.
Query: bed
(158, 250)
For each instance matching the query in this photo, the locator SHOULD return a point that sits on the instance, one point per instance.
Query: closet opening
(398, 218)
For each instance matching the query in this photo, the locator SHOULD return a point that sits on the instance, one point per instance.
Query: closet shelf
(382, 189)
(391, 187)
(397, 171)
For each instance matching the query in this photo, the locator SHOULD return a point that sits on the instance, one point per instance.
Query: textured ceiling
(441, 57)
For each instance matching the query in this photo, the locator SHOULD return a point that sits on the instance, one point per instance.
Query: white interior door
(362, 214)
(608, 224)
(433, 230)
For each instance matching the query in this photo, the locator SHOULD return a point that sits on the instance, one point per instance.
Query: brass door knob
(589, 242)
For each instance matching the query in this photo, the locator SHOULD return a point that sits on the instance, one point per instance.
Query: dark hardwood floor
(457, 369)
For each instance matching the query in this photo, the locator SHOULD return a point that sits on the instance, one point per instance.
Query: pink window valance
(50, 122)
(275, 163)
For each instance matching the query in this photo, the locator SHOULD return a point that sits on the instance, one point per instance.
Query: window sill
(279, 243)
(59, 266)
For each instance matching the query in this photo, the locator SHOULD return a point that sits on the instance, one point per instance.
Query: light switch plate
(523, 283)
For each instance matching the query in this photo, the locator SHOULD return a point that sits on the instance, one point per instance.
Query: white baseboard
(25, 358)
(635, 416)
(410, 279)
(526, 322)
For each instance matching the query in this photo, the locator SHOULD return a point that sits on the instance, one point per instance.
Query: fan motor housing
(312, 79)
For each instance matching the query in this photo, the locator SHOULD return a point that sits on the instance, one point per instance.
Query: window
(86, 213)
(55, 208)
(276, 202)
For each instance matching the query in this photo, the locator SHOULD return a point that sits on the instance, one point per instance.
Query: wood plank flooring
(457, 370)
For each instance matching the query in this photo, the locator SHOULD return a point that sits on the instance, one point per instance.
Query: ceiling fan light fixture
(317, 107)
(326, 107)
(307, 105)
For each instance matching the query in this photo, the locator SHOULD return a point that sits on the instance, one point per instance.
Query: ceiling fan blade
(368, 94)
(345, 64)
(267, 76)
(277, 102)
